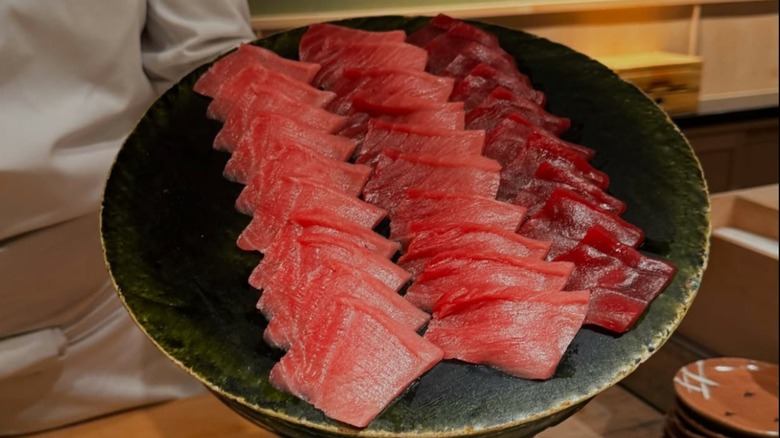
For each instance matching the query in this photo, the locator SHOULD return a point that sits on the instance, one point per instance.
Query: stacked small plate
(725, 398)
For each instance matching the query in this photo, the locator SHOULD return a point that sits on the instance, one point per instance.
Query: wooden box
(671, 79)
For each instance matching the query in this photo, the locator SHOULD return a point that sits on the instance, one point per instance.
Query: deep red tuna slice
(565, 219)
(453, 270)
(210, 82)
(381, 84)
(420, 139)
(239, 120)
(431, 239)
(501, 102)
(515, 128)
(295, 304)
(602, 261)
(268, 127)
(371, 363)
(288, 263)
(396, 172)
(613, 310)
(464, 39)
(310, 46)
(289, 194)
(338, 55)
(450, 208)
(548, 177)
(483, 79)
(323, 221)
(288, 159)
(523, 333)
(443, 23)
(257, 79)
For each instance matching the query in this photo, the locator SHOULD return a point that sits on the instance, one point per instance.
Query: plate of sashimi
(406, 226)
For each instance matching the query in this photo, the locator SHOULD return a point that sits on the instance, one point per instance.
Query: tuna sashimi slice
(310, 45)
(450, 208)
(370, 362)
(548, 177)
(252, 106)
(565, 219)
(290, 194)
(257, 79)
(381, 84)
(431, 239)
(521, 332)
(483, 79)
(337, 55)
(268, 127)
(454, 270)
(419, 139)
(396, 172)
(443, 23)
(246, 54)
(259, 172)
(280, 269)
(292, 308)
(501, 102)
(464, 39)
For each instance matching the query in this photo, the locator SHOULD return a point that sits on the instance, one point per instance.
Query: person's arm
(183, 34)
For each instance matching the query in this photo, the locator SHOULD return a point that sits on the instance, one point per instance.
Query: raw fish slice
(373, 360)
(450, 208)
(278, 270)
(453, 270)
(516, 129)
(291, 160)
(252, 106)
(290, 194)
(337, 55)
(323, 221)
(418, 139)
(401, 109)
(269, 127)
(442, 23)
(431, 239)
(257, 79)
(396, 172)
(613, 310)
(310, 45)
(483, 79)
(462, 38)
(381, 84)
(501, 102)
(210, 82)
(293, 307)
(565, 219)
(548, 177)
(521, 332)
(602, 261)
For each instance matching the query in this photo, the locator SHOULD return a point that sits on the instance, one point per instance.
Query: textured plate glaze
(169, 232)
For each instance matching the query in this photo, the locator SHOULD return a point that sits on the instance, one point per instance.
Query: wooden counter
(614, 414)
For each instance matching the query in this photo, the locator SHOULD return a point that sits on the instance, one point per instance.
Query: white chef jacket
(75, 77)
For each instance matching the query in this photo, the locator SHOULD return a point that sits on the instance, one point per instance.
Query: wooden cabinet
(737, 154)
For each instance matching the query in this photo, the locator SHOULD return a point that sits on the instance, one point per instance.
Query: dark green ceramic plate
(169, 232)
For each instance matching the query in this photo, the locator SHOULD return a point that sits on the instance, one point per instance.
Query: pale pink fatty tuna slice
(266, 127)
(290, 194)
(369, 363)
(246, 55)
(310, 45)
(431, 239)
(294, 307)
(252, 105)
(396, 172)
(421, 139)
(257, 80)
(454, 270)
(521, 332)
(380, 84)
(449, 208)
